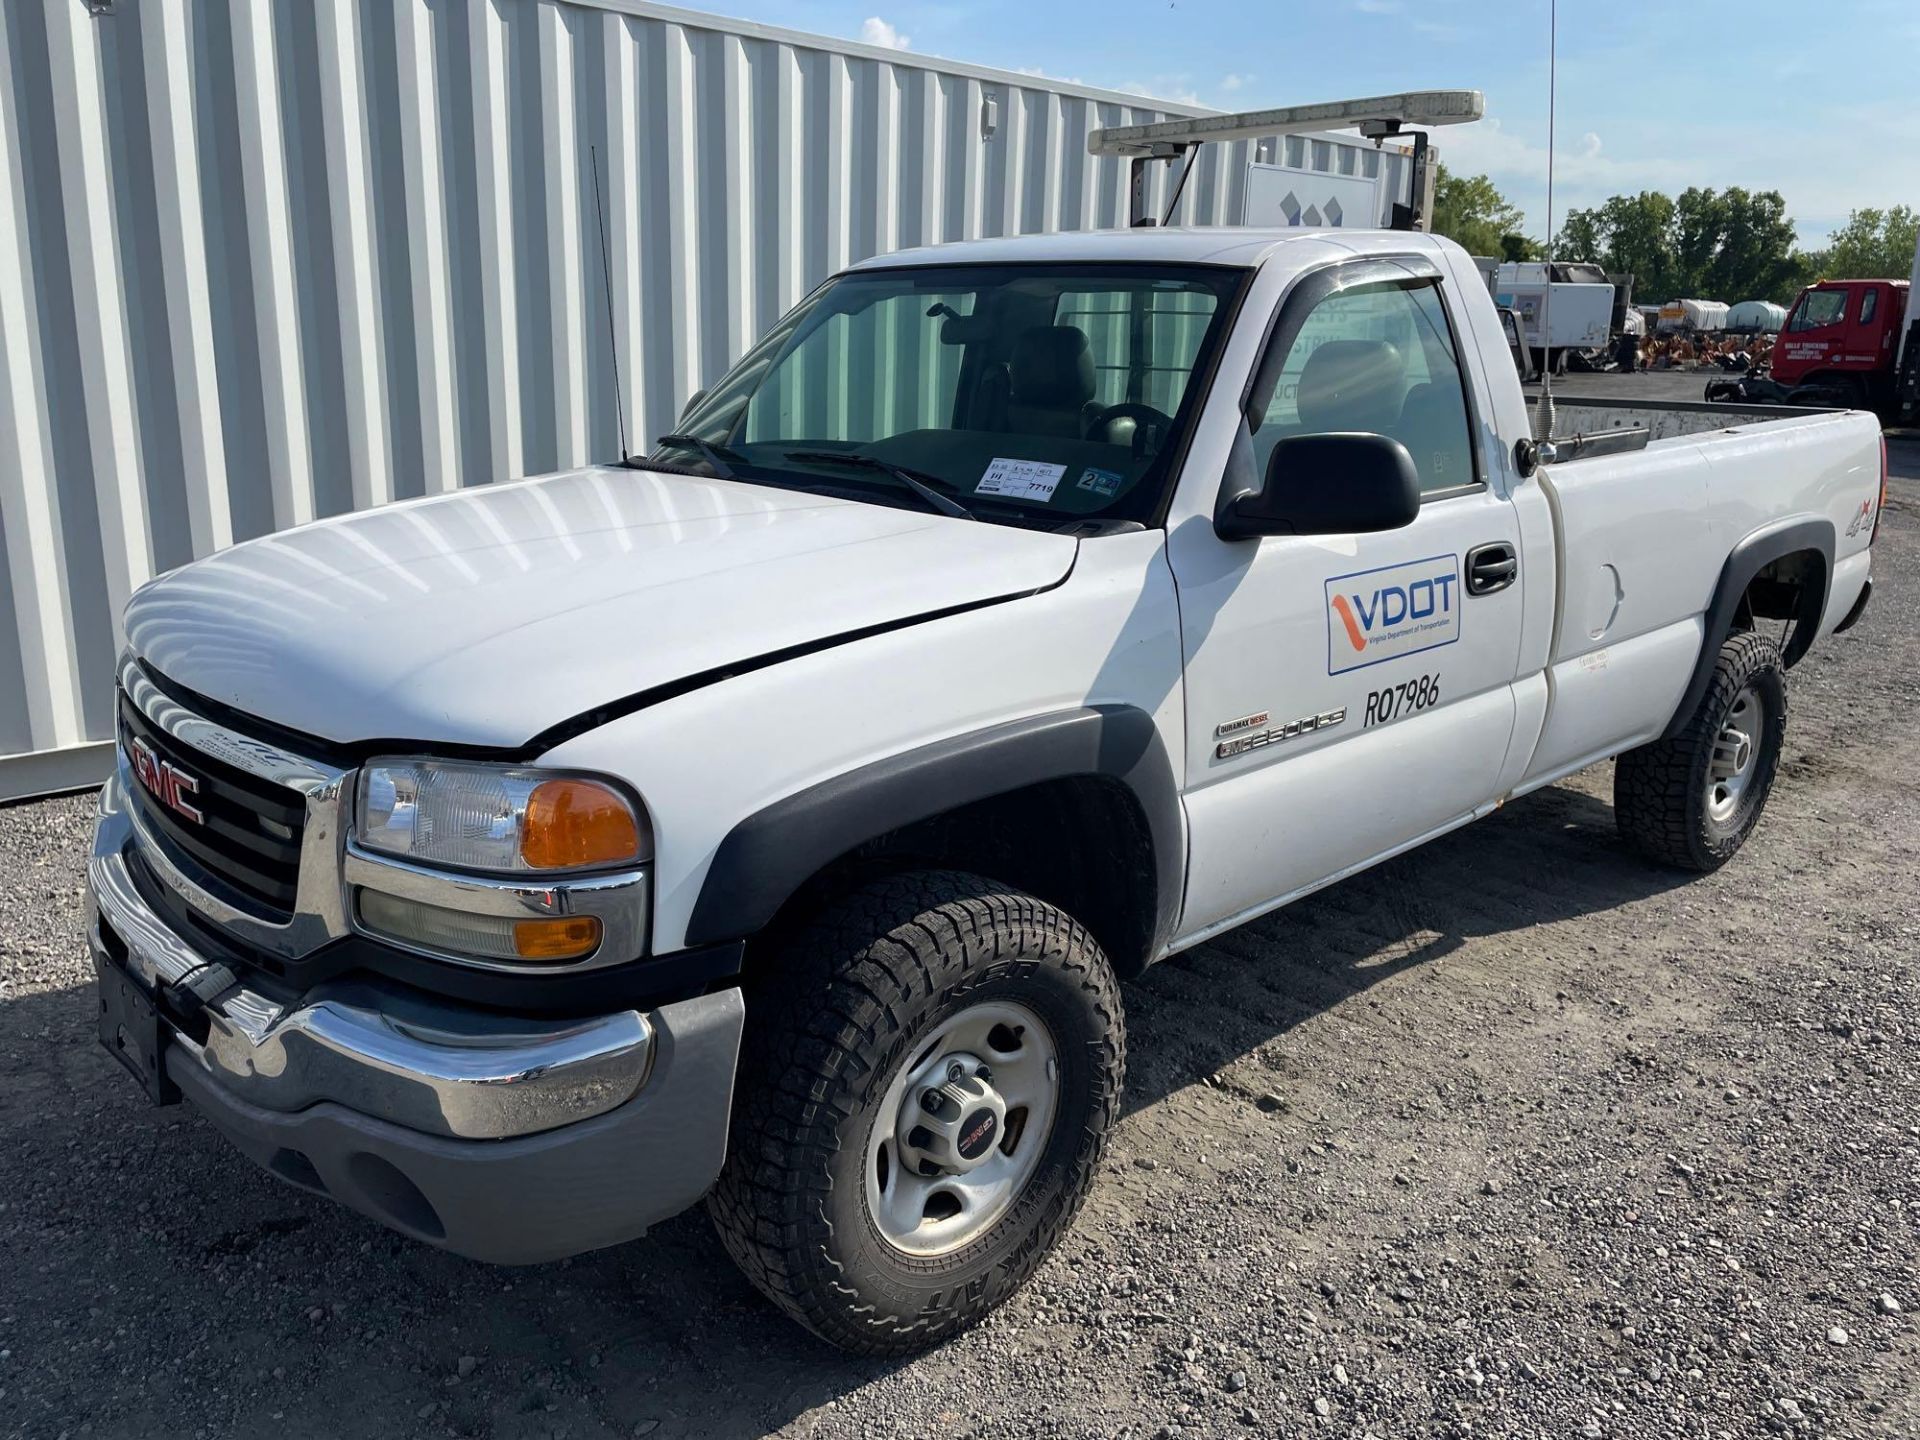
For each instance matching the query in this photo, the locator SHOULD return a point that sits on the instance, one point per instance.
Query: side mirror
(1343, 483)
(693, 401)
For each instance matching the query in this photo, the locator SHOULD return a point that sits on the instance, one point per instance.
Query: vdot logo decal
(1378, 615)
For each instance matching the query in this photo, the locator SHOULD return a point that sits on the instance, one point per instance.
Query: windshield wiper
(714, 455)
(945, 504)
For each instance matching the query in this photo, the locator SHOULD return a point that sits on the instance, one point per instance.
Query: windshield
(1037, 394)
(1818, 308)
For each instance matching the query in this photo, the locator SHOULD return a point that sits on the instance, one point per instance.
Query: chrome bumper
(382, 1050)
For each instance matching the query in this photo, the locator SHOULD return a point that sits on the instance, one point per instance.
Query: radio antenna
(606, 281)
(1543, 416)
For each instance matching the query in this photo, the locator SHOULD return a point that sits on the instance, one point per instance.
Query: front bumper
(505, 1139)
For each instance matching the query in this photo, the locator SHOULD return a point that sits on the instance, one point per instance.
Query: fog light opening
(393, 1197)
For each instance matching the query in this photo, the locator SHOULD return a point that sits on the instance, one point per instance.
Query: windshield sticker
(1102, 482)
(1021, 479)
(1378, 615)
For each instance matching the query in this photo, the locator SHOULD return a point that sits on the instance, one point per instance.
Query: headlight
(490, 817)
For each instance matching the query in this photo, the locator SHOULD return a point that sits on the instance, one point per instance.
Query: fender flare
(1749, 557)
(767, 856)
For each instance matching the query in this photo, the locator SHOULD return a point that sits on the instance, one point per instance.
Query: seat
(990, 393)
(1050, 382)
(1433, 427)
(1352, 385)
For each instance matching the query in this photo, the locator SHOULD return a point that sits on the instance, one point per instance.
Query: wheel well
(1081, 842)
(1793, 589)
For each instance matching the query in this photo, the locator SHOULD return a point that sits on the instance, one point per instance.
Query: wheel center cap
(952, 1119)
(1732, 753)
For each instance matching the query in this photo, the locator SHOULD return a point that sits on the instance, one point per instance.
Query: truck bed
(1643, 537)
(1665, 419)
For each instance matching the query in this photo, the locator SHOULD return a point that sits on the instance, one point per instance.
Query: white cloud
(876, 31)
(1583, 176)
(1039, 74)
(1230, 83)
(1175, 89)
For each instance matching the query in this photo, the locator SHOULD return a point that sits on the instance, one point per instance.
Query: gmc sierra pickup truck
(772, 818)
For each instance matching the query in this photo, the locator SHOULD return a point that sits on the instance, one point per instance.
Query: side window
(1377, 358)
(1869, 302)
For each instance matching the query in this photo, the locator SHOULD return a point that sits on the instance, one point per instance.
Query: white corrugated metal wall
(262, 262)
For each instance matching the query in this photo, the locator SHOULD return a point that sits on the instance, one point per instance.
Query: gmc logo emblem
(165, 781)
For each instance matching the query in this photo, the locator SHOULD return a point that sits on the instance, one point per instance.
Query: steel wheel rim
(1736, 755)
(929, 1216)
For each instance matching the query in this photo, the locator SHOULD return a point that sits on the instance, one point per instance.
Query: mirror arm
(1241, 480)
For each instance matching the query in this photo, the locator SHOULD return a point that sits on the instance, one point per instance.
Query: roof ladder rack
(1376, 118)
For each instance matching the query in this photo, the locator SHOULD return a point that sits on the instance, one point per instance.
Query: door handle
(1491, 567)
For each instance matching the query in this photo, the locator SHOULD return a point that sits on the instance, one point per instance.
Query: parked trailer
(1757, 317)
(1693, 315)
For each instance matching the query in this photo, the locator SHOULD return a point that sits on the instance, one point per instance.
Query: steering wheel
(1147, 421)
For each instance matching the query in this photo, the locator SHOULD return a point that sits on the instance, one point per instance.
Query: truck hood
(488, 616)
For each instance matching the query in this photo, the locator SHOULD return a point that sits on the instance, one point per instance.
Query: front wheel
(925, 1092)
(1692, 800)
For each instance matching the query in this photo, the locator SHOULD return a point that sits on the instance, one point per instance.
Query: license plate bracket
(133, 1031)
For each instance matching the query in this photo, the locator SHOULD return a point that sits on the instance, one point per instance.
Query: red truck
(1843, 337)
(1850, 343)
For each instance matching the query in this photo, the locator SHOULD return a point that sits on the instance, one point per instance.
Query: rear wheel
(925, 1091)
(1692, 800)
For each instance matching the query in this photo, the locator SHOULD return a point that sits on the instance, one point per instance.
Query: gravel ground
(1514, 1136)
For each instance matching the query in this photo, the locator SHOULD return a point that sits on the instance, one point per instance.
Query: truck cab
(1840, 342)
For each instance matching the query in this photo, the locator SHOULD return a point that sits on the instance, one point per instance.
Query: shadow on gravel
(302, 1318)
(1550, 856)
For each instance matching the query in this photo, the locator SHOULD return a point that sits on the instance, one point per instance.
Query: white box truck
(1579, 318)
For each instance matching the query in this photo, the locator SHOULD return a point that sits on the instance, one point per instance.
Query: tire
(860, 1002)
(1676, 799)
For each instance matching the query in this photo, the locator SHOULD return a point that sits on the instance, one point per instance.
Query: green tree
(1751, 252)
(1872, 245)
(1520, 247)
(1470, 210)
(1720, 245)
(1634, 233)
(1581, 237)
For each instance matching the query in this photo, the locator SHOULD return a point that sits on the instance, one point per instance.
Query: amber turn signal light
(574, 823)
(568, 938)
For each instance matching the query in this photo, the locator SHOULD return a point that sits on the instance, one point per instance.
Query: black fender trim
(1749, 557)
(767, 856)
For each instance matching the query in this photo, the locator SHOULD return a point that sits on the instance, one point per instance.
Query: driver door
(1348, 694)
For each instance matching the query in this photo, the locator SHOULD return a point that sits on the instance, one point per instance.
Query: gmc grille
(249, 838)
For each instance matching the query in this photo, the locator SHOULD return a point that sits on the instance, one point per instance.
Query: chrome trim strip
(424, 1065)
(381, 1049)
(242, 752)
(619, 900)
(155, 955)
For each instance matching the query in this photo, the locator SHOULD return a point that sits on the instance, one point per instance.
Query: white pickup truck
(773, 818)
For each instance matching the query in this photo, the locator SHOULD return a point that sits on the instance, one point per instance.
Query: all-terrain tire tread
(836, 1005)
(1657, 787)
